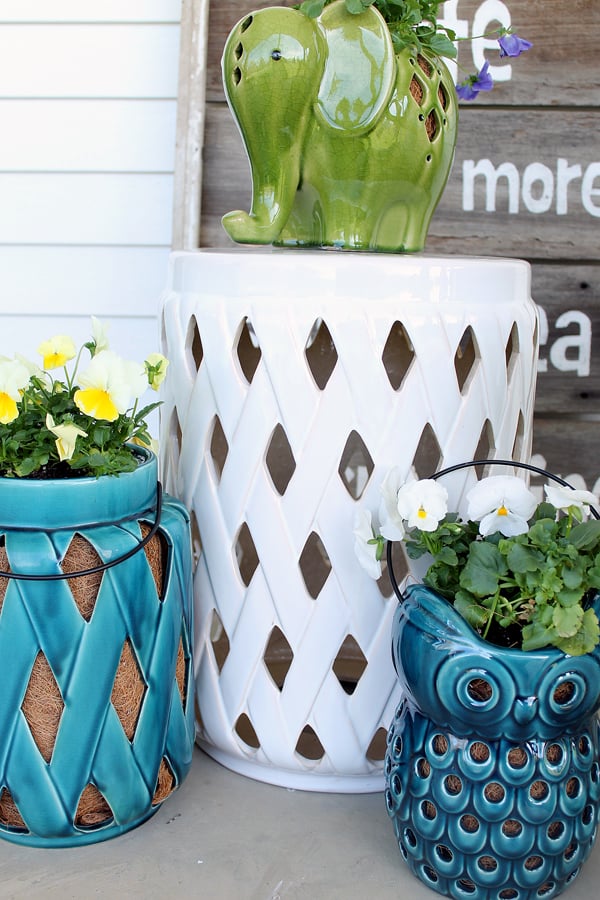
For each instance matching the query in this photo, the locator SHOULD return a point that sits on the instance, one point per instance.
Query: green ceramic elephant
(350, 145)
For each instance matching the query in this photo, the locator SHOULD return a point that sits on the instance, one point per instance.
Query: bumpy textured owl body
(492, 768)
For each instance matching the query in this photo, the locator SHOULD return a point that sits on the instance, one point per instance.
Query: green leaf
(483, 570)
(586, 535)
(468, 607)
(567, 621)
(524, 559)
(536, 636)
(356, 7)
(312, 8)
(442, 45)
(586, 638)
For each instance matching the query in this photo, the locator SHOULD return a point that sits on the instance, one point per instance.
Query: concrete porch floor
(222, 836)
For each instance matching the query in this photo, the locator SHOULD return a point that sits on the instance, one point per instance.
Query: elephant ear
(360, 68)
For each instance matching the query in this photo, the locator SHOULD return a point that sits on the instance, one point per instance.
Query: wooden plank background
(542, 124)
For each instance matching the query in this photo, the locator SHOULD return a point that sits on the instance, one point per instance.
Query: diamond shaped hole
(165, 783)
(246, 555)
(43, 706)
(349, 664)
(512, 350)
(193, 346)
(182, 666)
(279, 460)
(315, 565)
(400, 566)
(466, 359)
(416, 90)
(175, 438)
(428, 454)
(443, 98)
(219, 448)
(485, 447)
(128, 690)
(248, 350)
(196, 538)
(81, 555)
(157, 555)
(278, 657)
(10, 817)
(425, 65)
(309, 746)
(378, 746)
(320, 353)
(432, 125)
(4, 567)
(398, 355)
(245, 730)
(518, 445)
(219, 640)
(93, 810)
(356, 465)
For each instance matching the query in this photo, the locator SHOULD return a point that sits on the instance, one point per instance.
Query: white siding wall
(87, 146)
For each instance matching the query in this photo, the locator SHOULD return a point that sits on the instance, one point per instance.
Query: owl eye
(568, 692)
(477, 690)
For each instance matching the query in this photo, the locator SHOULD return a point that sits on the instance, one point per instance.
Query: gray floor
(227, 837)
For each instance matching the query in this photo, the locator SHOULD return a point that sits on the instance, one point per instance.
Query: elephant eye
(276, 55)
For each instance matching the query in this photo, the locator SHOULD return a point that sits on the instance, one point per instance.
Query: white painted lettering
(564, 175)
(491, 175)
(489, 15)
(580, 343)
(588, 190)
(533, 174)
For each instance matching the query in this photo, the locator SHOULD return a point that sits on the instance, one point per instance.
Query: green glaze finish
(38, 520)
(343, 152)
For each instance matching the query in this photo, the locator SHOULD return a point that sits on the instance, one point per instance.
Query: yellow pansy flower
(14, 378)
(108, 386)
(57, 351)
(156, 369)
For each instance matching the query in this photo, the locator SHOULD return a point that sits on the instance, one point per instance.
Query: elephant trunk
(273, 195)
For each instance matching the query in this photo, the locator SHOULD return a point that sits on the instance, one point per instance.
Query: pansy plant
(82, 423)
(414, 23)
(512, 566)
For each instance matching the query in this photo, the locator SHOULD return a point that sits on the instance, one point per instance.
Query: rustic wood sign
(525, 183)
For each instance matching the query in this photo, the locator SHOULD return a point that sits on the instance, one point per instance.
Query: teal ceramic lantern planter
(95, 711)
(492, 768)
(350, 144)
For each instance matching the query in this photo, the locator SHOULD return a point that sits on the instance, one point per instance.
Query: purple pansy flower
(513, 45)
(471, 86)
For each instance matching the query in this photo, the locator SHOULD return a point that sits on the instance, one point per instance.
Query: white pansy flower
(99, 335)
(392, 526)
(562, 497)
(366, 552)
(423, 504)
(501, 503)
(109, 385)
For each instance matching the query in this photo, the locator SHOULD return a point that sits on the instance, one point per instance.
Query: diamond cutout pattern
(321, 354)
(428, 455)
(219, 640)
(43, 716)
(349, 664)
(356, 465)
(376, 749)
(245, 730)
(512, 349)
(4, 567)
(246, 555)
(248, 350)
(466, 359)
(193, 345)
(93, 809)
(279, 460)
(309, 746)
(157, 554)
(81, 555)
(165, 783)
(486, 444)
(315, 565)
(278, 657)
(219, 448)
(181, 672)
(10, 817)
(128, 690)
(398, 355)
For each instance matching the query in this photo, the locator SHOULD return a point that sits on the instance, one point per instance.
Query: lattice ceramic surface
(296, 381)
(96, 709)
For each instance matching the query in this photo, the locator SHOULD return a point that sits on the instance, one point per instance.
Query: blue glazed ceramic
(492, 767)
(40, 797)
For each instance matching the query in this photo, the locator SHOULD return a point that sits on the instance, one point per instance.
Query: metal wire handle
(465, 465)
(19, 576)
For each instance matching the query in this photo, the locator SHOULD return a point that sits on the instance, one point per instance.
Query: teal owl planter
(95, 634)
(492, 766)
(350, 143)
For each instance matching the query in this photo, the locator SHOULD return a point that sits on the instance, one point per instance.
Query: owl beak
(525, 710)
